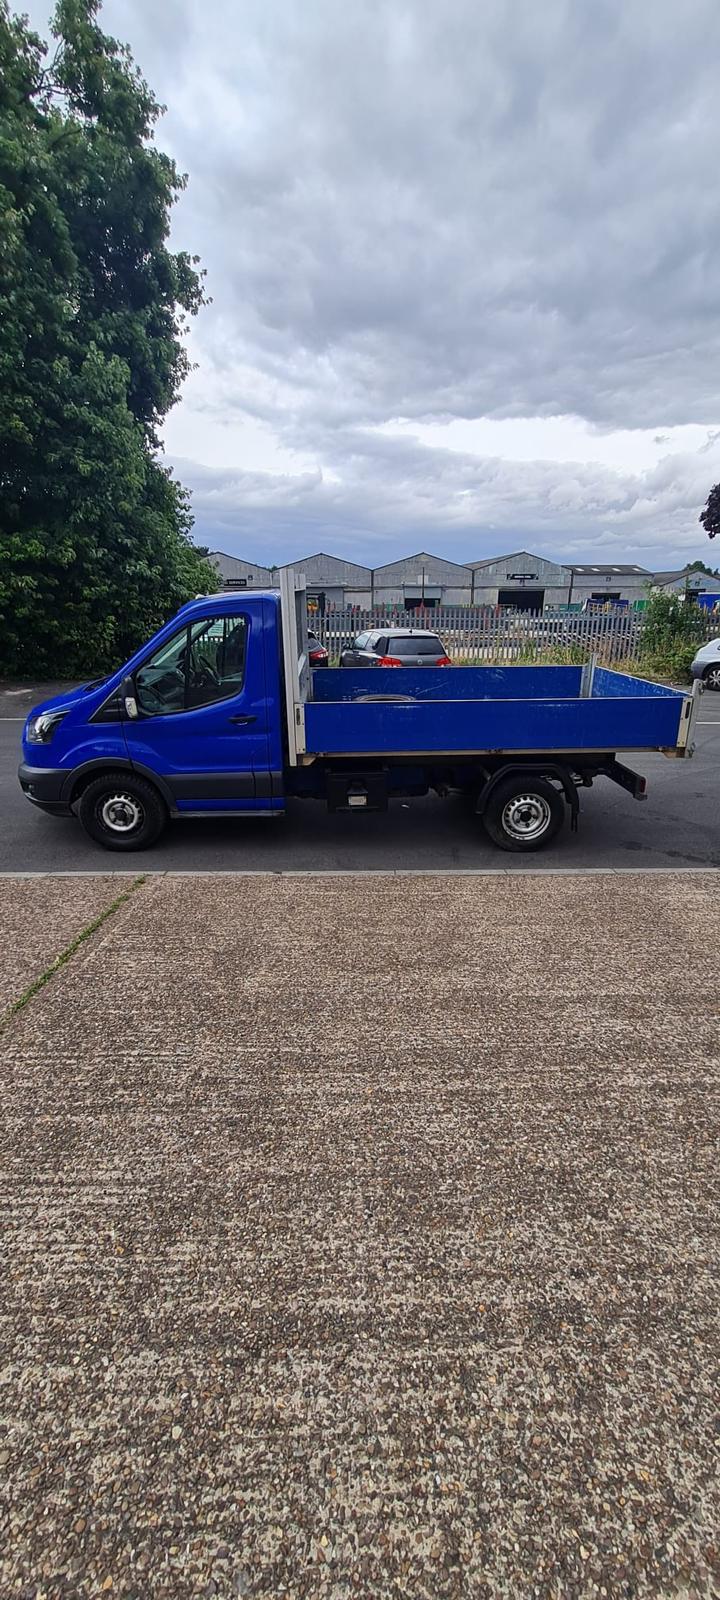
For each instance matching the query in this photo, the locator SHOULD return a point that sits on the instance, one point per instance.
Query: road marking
(12, 719)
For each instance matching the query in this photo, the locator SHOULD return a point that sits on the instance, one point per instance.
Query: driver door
(202, 721)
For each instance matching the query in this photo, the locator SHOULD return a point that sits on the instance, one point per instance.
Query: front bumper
(43, 786)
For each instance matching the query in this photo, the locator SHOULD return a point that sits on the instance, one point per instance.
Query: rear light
(444, 662)
(389, 661)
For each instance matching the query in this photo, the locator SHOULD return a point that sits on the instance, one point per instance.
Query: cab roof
(226, 600)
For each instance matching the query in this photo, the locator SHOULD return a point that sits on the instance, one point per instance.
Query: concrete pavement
(38, 926)
(362, 1238)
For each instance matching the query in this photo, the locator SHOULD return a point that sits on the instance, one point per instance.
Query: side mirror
(128, 701)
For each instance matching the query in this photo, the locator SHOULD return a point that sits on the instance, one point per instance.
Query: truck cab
(195, 716)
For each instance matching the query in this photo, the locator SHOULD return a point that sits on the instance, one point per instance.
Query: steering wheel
(203, 672)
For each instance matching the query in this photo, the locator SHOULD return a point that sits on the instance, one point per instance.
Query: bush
(673, 627)
(670, 621)
(671, 665)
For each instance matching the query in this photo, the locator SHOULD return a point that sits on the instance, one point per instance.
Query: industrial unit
(522, 580)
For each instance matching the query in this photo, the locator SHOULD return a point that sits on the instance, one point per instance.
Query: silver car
(396, 647)
(707, 664)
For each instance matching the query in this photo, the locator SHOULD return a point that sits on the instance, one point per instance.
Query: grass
(670, 666)
(70, 950)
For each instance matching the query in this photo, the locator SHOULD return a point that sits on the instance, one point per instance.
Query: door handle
(242, 720)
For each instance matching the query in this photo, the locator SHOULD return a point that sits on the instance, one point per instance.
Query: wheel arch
(80, 777)
(527, 770)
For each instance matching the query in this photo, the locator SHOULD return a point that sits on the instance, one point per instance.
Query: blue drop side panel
(448, 683)
(620, 685)
(641, 723)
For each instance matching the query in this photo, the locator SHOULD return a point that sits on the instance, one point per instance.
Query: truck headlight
(40, 729)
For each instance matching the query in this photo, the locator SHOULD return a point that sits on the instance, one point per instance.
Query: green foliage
(94, 532)
(673, 627)
(710, 514)
(553, 655)
(670, 621)
(671, 665)
(699, 566)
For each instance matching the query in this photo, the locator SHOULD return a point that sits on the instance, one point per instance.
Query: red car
(317, 654)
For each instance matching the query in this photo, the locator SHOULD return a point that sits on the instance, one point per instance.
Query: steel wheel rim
(120, 813)
(526, 816)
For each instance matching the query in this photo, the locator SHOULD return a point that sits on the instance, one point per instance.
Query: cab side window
(200, 664)
(160, 681)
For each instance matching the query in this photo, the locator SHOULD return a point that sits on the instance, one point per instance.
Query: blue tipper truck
(220, 715)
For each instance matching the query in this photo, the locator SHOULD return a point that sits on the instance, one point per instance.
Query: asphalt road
(678, 825)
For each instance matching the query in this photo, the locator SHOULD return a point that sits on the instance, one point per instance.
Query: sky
(464, 262)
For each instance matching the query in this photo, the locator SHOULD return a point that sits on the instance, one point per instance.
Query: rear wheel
(524, 813)
(122, 812)
(711, 676)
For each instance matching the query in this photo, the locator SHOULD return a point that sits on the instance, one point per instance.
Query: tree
(94, 530)
(699, 566)
(710, 515)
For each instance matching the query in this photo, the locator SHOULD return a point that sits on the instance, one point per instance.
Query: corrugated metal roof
(490, 561)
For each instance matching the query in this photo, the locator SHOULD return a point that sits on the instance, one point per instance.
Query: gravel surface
(362, 1240)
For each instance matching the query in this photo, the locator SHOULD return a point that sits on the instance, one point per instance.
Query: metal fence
(478, 634)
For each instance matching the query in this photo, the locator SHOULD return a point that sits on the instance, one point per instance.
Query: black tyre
(711, 676)
(122, 811)
(524, 814)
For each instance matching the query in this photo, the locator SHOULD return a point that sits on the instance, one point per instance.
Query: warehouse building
(522, 580)
(331, 582)
(603, 583)
(334, 584)
(234, 573)
(686, 582)
(532, 583)
(421, 581)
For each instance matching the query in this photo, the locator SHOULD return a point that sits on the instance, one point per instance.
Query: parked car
(396, 647)
(317, 654)
(707, 664)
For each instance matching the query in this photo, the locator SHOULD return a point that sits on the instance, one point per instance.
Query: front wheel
(711, 676)
(122, 812)
(524, 814)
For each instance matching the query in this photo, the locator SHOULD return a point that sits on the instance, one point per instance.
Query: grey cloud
(396, 494)
(469, 210)
(447, 209)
